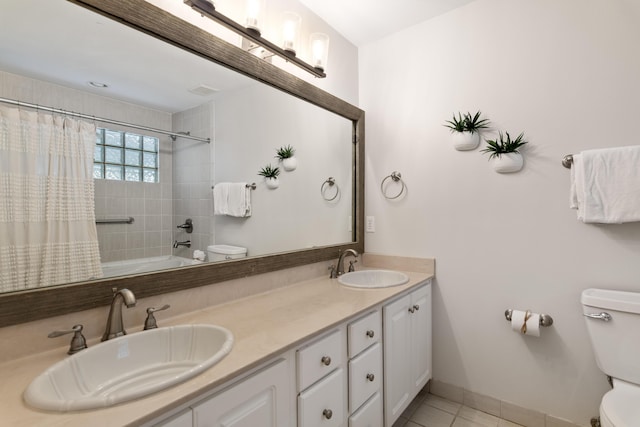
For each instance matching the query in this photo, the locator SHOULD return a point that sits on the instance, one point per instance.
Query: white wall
(564, 73)
(294, 216)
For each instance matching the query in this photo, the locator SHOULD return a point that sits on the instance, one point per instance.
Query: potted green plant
(466, 130)
(504, 152)
(270, 175)
(286, 156)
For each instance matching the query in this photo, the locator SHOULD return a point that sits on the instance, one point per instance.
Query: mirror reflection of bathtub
(142, 265)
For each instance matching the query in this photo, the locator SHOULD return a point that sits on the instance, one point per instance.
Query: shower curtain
(47, 221)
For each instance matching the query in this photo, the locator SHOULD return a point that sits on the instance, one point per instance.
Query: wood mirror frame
(29, 305)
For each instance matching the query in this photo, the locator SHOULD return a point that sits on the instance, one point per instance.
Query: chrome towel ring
(395, 177)
(330, 182)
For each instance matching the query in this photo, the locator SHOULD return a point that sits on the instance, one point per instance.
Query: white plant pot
(507, 162)
(290, 164)
(465, 141)
(272, 183)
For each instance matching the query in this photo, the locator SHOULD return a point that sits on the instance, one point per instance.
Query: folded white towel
(605, 185)
(232, 199)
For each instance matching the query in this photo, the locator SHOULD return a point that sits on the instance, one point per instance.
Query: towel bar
(115, 221)
(567, 161)
(251, 186)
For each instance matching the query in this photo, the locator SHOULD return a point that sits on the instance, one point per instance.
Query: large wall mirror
(165, 74)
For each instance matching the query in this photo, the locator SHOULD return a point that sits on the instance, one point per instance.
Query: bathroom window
(125, 156)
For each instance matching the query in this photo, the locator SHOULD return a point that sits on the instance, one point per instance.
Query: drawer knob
(417, 307)
(328, 413)
(370, 333)
(412, 310)
(371, 377)
(326, 360)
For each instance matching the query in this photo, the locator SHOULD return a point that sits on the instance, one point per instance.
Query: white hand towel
(607, 185)
(232, 199)
(239, 201)
(221, 198)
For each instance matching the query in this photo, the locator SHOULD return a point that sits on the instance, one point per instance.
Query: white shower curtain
(47, 221)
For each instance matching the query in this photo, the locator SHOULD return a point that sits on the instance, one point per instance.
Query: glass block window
(125, 156)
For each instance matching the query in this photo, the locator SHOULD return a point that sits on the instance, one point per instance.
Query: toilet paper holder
(545, 319)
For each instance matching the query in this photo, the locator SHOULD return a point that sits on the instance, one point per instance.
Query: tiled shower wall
(193, 171)
(149, 204)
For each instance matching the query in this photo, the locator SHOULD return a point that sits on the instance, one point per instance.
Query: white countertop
(264, 326)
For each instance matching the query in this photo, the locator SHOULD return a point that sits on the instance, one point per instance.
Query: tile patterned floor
(428, 410)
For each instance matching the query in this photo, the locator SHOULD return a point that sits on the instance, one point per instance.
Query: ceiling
(365, 21)
(78, 46)
(59, 42)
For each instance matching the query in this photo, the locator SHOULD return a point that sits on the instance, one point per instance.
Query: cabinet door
(260, 400)
(397, 350)
(324, 403)
(420, 338)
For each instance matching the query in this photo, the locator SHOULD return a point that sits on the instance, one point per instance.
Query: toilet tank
(225, 252)
(616, 343)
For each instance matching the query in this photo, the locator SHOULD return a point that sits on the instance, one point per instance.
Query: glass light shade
(255, 12)
(319, 43)
(290, 31)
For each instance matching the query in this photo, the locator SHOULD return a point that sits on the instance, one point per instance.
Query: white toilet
(613, 322)
(225, 252)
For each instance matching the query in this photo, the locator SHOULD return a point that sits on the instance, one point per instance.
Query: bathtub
(142, 265)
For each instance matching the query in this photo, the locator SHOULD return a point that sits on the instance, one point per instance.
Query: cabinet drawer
(365, 376)
(318, 359)
(370, 415)
(324, 403)
(364, 332)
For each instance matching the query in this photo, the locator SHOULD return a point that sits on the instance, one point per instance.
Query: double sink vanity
(318, 352)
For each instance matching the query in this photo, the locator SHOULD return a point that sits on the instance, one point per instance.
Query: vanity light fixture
(290, 32)
(319, 50)
(255, 15)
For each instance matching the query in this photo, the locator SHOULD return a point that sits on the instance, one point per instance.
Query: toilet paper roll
(532, 323)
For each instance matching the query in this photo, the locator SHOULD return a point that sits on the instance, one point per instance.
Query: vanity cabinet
(263, 399)
(407, 350)
(322, 381)
(365, 371)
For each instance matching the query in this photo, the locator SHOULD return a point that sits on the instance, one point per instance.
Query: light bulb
(319, 50)
(290, 30)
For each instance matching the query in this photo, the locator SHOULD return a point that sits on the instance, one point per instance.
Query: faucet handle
(78, 341)
(352, 266)
(150, 322)
(333, 274)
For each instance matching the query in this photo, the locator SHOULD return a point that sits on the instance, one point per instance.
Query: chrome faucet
(186, 243)
(115, 327)
(340, 268)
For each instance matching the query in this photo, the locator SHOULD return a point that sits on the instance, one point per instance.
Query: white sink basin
(373, 279)
(129, 367)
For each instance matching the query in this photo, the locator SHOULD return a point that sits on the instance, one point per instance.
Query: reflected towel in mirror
(232, 199)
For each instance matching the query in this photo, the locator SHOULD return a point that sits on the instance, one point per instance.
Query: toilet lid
(619, 407)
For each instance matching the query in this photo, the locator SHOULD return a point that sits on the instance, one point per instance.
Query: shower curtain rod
(173, 135)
